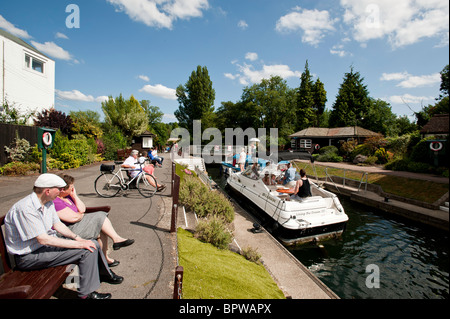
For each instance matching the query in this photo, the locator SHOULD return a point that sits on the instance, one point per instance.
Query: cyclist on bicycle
(132, 162)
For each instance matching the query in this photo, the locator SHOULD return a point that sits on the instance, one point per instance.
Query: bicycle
(109, 183)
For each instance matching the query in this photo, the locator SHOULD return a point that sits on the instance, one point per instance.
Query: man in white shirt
(31, 226)
(134, 163)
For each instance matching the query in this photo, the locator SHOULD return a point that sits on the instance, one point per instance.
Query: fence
(8, 132)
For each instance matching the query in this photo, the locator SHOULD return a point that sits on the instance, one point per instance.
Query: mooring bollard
(178, 283)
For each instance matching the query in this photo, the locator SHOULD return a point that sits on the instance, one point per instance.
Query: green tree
(239, 114)
(441, 107)
(379, 118)
(445, 82)
(55, 119)
(86, 123)
(320, 98)
(154, 114)
(311, 99)
(196, 99)
(127, 115)
(305, 100)
(273, 106)
(352, 102)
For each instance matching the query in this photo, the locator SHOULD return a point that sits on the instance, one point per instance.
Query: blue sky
(146, 48)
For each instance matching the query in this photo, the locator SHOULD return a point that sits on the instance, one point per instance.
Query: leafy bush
(328, 149)
(19, 150)
(397, 165)
(371, 160)
(113, 139)
(329, 154)
(421, 152)
(382, 155)
(347, 148)
(75, 152)
(251, 254)
(197, 197)
(19, 168)
(362, 149)
(214, 231)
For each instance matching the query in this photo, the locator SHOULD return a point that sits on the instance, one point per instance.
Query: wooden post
(178, 283)
(175, 195)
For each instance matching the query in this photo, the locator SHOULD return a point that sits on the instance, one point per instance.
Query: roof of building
(350, 131)
(21, 42)
(438, 124)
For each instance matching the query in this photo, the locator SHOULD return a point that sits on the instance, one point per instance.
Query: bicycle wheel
(107, 185)
(146, 184)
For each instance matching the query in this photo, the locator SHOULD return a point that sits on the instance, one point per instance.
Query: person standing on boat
(242, 159)
(302, 187)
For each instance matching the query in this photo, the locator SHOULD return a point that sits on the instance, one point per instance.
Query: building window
(147, 142)
(305, 143)
(34, 64)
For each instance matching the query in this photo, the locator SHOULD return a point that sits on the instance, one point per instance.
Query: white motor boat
(313, 218)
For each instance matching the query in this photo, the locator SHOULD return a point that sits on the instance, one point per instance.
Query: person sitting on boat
(269, 179)
(289, 177)
(302, 187)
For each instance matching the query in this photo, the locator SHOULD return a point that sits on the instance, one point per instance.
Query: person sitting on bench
(155, 158)
(31, 226)
(70, 209)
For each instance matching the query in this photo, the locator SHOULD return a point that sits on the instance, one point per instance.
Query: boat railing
(364, 180)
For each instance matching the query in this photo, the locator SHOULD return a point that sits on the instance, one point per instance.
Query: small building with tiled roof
(437, 126)
(313, 138)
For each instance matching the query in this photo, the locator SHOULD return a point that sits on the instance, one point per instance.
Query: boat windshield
(252, 172)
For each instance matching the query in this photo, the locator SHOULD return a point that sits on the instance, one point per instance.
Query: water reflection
(413, 261)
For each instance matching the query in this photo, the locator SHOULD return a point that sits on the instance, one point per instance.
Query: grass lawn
(211, 273)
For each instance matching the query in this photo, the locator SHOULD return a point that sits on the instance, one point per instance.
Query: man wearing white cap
(31, 226)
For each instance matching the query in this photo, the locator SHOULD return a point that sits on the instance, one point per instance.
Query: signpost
(46, 136)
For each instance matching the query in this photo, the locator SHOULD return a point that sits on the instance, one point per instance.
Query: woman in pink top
(70, 210)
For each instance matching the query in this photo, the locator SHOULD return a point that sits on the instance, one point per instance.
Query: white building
(27, 77)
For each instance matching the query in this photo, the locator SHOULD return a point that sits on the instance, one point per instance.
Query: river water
(379, 256)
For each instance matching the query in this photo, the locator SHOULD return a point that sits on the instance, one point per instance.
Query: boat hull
(287, 235)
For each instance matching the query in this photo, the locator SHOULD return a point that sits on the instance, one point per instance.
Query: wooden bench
(35, 284)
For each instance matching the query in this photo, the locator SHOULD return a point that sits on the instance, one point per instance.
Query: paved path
(148, 265)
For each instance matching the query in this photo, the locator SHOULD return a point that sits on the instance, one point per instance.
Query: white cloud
(60, 35)
(160, 91)
(242, 24)
(409, 99)
(76, 95)
(161, 13)
(248, 74)
(231, 76)
(53, 50)
(8, 26)
(412, 81)
(403, 22)
(339, 50)
(252, 56)
(313, 23)
(144, 78)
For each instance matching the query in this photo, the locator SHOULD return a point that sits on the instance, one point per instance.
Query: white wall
(30, 90)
